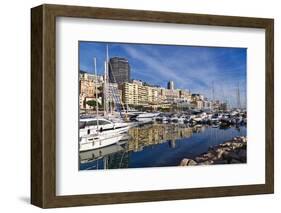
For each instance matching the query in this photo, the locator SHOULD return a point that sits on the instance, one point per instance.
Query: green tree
(91, 103)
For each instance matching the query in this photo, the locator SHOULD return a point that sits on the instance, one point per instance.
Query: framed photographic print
(136, 106)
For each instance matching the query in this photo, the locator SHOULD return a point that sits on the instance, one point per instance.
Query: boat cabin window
(92, 123)
(82, 125)
(102, 122)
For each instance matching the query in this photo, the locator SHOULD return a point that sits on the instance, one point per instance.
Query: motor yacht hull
(98, 141)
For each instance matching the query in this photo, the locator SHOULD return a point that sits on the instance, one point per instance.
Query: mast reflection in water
(157, 145)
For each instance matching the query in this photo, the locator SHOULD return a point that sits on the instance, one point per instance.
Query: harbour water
(157, 145)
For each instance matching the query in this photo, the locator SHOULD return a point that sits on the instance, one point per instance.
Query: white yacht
(147, 116)
(181, 119)
(96, 141)
(216, 117)
(174, 118)
(131, 112)
(89, 126)
(200, 117)
(95, 154)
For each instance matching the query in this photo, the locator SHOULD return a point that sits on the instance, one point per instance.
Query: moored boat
(90, 126)
(96, 141)
(147, 116)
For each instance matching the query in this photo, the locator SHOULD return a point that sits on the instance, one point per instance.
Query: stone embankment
(229, 152)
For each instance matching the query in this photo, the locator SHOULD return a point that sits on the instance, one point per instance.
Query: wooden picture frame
(43, 105)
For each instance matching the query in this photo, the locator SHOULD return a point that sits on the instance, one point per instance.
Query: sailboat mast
(238, 97)
(213, 92)
(108, 87)
(107, 55)
(223, 96)
(105, 90)
(213, 95)
(96, 91)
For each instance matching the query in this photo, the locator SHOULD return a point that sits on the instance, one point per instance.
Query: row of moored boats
(100, 131)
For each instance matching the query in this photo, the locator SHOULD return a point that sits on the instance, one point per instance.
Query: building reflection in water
(117, 155)
(155, 134)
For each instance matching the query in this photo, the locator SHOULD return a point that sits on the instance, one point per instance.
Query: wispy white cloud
(195, 72)
(154, 64)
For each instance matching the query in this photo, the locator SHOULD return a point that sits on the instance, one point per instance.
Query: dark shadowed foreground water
(157, 145)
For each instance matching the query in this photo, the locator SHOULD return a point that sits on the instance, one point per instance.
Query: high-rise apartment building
(119, 70)
(171, 85)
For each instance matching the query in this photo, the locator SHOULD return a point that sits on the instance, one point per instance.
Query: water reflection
(156, 134)
(156, 145)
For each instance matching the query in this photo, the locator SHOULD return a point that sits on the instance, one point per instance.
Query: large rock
(232, 156)
(243, 155)
(191, 163)
(244, 139)
(200, 159)
(237, 145)
(209, 155)
(220, 162)
(208, 162)
(235, 161)
(188, 162)
(221, 151)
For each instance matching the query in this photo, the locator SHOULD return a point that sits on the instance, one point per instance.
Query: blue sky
(190, 67)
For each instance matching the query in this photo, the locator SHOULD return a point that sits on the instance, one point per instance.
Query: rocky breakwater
(229, 152)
